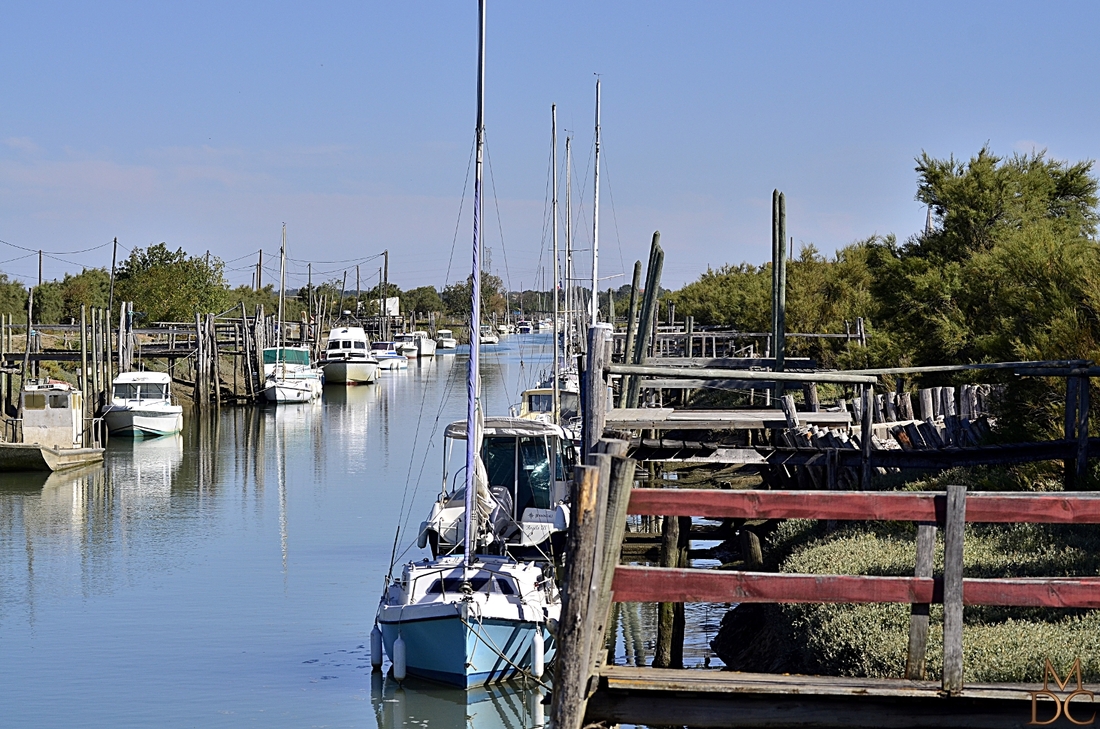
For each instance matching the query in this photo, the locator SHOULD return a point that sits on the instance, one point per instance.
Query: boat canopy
(289, 355)
(506, 426)
(160, 378)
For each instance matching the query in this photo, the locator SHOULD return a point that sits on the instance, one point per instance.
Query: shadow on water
(499, 706)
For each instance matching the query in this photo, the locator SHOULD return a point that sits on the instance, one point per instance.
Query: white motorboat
(470, 619)
(141, 406)
(289, 375)
(405, 345)
(347, 359)
(524, 327)
(486, 335)
(546, 325)
(445, 339)
(425, 345)
(388, 357)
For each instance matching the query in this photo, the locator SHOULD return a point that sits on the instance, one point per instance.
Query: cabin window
(360, 345)
(454, 584)
(540, 403)
(34, 401)
(570, 405)
(504, 586)
(499, 455)
(334, 345)
(59, 400)
(346, 345)
(533, 484)
(566, 459)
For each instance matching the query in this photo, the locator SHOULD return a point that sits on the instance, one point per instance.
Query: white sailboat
(469, 619)
(289, 374)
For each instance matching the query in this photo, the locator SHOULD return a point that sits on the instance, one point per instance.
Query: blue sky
(208, 125)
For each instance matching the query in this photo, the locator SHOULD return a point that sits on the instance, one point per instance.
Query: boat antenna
(554, 236)
(595, 315)
(472, 383)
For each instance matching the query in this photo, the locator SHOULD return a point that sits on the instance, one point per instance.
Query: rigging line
(461, 205)
(614, 217)
(57, 253)
(500, 226)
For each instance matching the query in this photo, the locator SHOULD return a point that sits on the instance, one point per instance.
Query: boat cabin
(141, 387)
(53, 414)
(538, 404)
(288, 356)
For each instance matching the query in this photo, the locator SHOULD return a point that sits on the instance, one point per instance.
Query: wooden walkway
(711, 698)
(673, 419)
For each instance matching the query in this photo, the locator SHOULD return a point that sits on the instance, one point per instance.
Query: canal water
(229, 576)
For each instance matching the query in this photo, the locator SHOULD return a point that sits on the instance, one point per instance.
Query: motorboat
(529, 465)
(388, 357)
(289, 375)
(537, 403)
(51, 435)
(486, 335)
(347, 358)
(405, 345)
(425, 345)
(477, 617)
(524, 327)
(141, 406)
(546, 325)
(445, 339)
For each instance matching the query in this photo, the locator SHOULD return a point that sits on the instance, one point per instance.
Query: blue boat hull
(465, 654)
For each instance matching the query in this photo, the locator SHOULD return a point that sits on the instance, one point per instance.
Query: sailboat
(473, 618)
(289, 372)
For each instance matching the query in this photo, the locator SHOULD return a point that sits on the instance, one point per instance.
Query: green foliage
(13, 299)
(58, 302)
(456, 297)
(169, 285)
(422, 299)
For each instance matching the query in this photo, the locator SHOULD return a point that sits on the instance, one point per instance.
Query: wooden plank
(734, 363)
(719, 373)
(657, 584)
(915, 662)
(949, 457)
(928, 506)
(669, 419)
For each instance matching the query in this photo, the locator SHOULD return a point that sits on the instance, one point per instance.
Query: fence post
(865, 437)
(955, 520)
(918, 612)
(1082, 432)
(1073, 397)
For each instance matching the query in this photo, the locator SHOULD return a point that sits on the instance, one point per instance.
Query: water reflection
(498, 706)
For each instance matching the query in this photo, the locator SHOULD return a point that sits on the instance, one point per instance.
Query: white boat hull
(350, 373)
(392, 363)
(447, 343)
(464, 650)
(142, 423)
(287, 391)
(425, 347)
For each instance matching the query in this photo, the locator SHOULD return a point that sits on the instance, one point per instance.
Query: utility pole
(309, 269)
(111, 295)
(259, 271)
(358, 291)
(386, 287)
(39, 267)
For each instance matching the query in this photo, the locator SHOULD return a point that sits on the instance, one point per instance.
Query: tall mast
(282, 295)
(554, 236)
(596, 217)
(472, 384)
(569, 308)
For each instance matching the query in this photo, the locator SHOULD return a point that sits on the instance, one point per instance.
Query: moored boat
(445, 339)
(388, 357)
(289, 375)
(347, 358)
(52, 435)
(486, 335)
(141, 406)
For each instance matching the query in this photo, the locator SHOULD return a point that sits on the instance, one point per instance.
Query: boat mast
(570, 311)
(281, 355)
(472, 384)
(554, 236)
(595, 316)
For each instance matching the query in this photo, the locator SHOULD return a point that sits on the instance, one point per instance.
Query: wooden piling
(916, 662)
(955, 517)
(632, 326)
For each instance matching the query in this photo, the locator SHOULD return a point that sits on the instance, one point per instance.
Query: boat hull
(398, 362)
(425, 347)
(34, 457)
(288, 391)
(350, 373)
(143, 423)
(465, 651)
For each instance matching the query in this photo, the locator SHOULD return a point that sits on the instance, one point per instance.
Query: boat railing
(11, 430)
(94, 434)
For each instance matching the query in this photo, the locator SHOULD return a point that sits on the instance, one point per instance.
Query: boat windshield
(141, 391)
(540, 402)
(522, 466)
(290, 356)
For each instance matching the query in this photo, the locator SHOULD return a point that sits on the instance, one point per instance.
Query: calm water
(230, 576)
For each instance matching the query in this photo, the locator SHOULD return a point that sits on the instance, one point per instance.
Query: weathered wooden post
(1082, 431)
(954, 524)
(915, 662)
(83, 381)
(779, 283)
(1073, 400)
(570, 696)
(631, 327)
(647, 321)
(865, 434)
(595, 383)
(620, 483)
